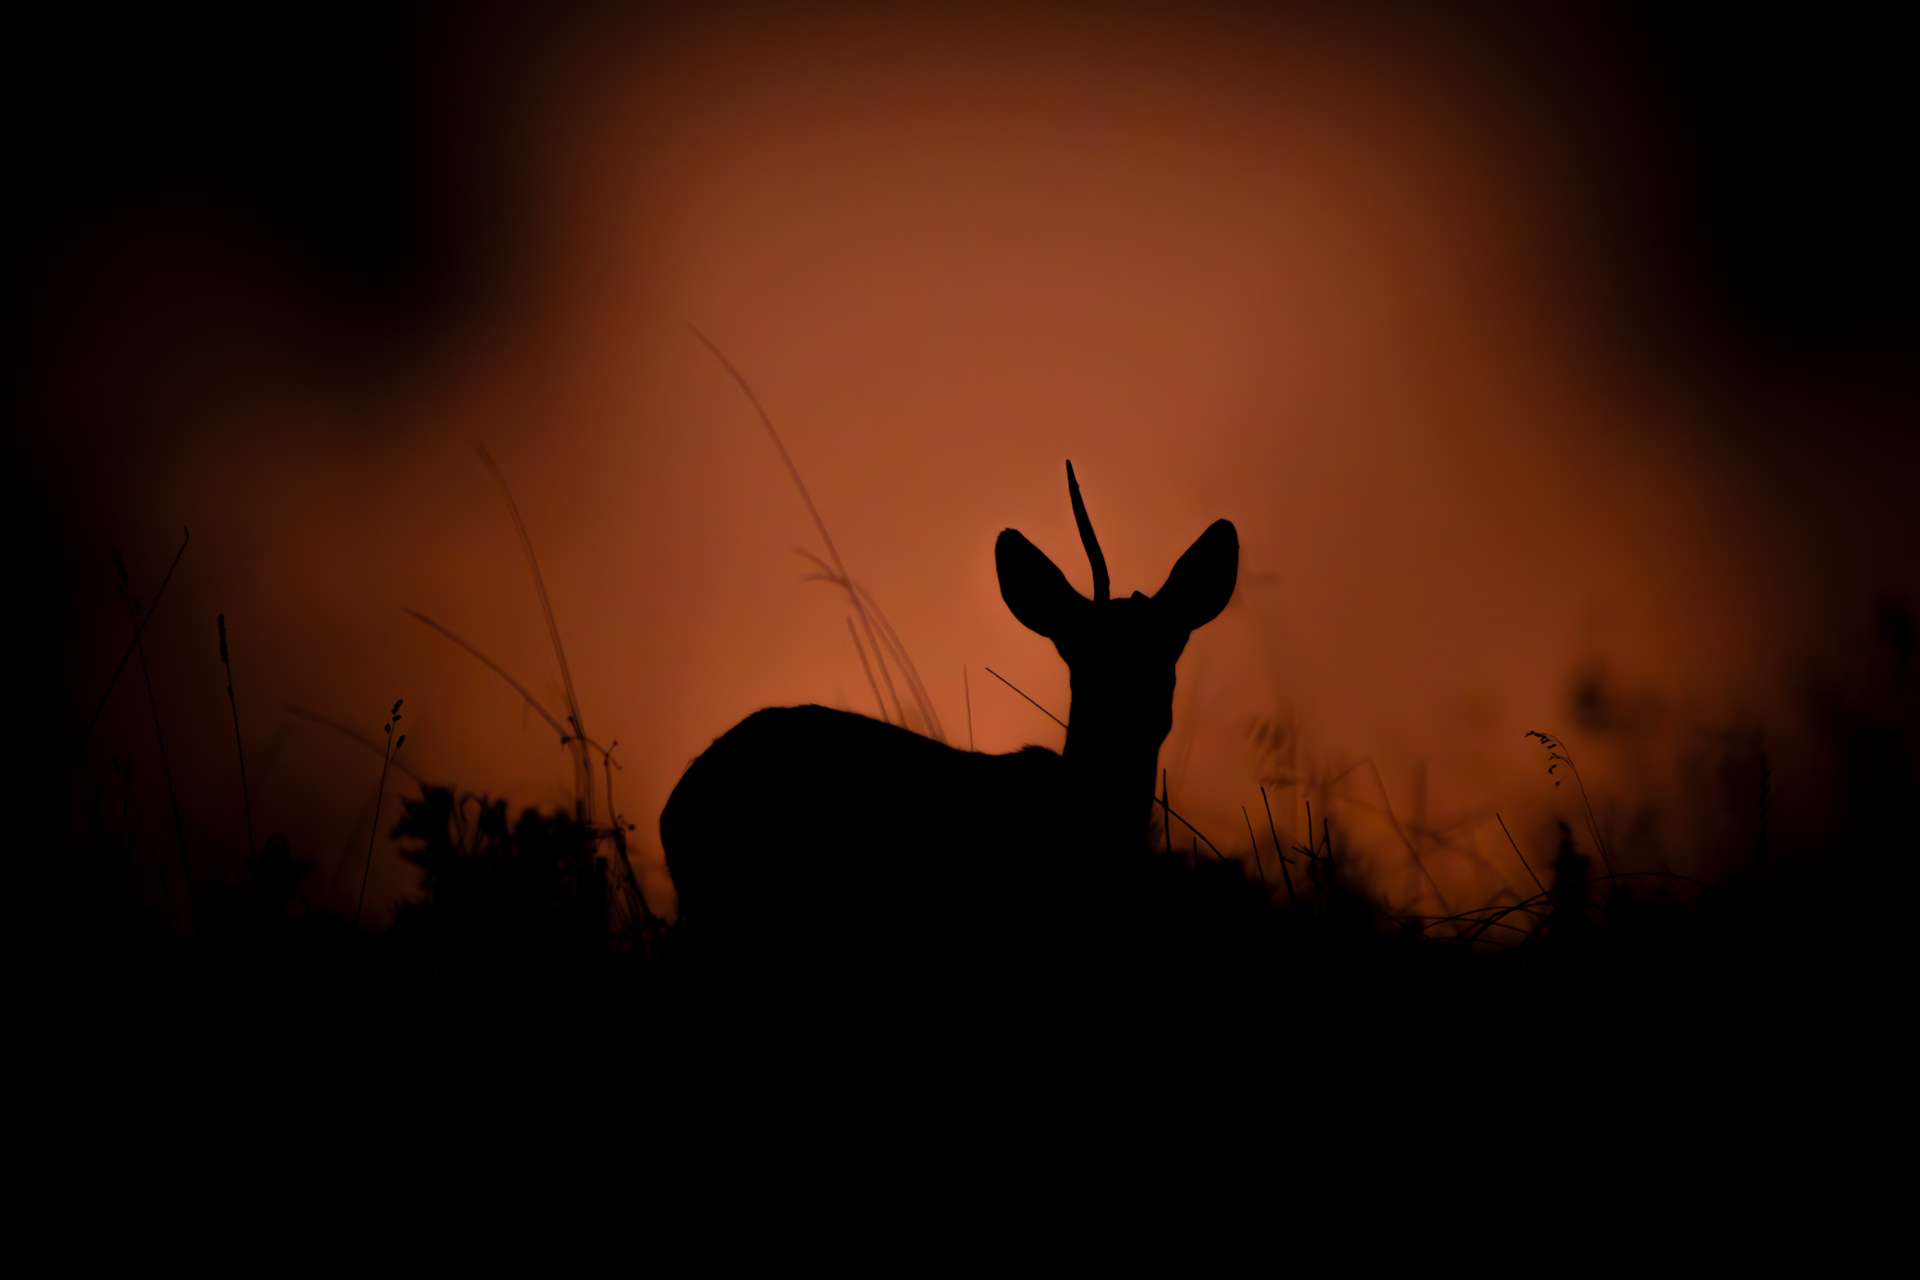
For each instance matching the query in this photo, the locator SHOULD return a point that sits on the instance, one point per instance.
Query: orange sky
(1381, 293)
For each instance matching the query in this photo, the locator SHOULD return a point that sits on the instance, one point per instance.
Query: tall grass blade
(352, 735)
(1016, 688)
(1278, 849)
(552, 720)
(583, 766)
(836, 572)
(379, 797)
(868, 668)
(1255, 841)
(166, 765)
(134, 644)
(966, 692)
(1516, 849)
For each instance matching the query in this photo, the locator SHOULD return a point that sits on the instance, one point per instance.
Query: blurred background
(1557, 369)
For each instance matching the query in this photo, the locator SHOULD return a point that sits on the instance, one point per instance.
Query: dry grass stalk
(132, 645)
(884, 642)
(379, 795)
(132, 602)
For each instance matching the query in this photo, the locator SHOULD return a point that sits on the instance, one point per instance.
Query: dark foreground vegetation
(516, 951)
(522, 999)
(529, 968)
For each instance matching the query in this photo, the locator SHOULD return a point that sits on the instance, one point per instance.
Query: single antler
(1102, 586)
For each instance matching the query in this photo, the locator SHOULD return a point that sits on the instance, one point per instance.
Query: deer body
(804, 824)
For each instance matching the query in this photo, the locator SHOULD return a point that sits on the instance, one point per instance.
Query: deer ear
(1202, 580)
(1035, 589)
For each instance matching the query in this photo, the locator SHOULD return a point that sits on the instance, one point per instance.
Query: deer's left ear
(1202, 580)
(1035, 589)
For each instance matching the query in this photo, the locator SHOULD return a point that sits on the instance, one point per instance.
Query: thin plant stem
(1275, 833)
(785, 457)
(1016, 688)
(571, 738)
(876, 622)
(880, 658)
(923, 700)
(379, 796)
(884, 641)
(1255, 840)
(583, 766)
(352, 735)
(868, 668)
(1413, 850)
(637, 895)
(886, 677)
(553, 721)
(1516, 849)
(166, 766)
(836, 572)
(100, 706)
(1326, 831)
(1198, 834)
(1313, 866)
(966, 692)
(1557, 754)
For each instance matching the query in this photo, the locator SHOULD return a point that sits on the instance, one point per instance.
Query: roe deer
(809, 821)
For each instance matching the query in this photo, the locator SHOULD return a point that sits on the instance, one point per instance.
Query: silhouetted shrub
(524, 895)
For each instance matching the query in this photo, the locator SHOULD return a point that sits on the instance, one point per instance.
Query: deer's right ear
(1202, 580)
(1035, 589)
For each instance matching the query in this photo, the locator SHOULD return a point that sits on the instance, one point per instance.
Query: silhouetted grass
(889, 653)
(524, 923)
(379, 798)
(514, 900)
(131, 600)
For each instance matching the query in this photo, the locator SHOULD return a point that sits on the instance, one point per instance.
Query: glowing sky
(1385, 295)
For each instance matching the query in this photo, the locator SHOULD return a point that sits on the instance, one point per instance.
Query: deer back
(807, 829)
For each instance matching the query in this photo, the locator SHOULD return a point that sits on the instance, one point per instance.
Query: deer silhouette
(805, 825)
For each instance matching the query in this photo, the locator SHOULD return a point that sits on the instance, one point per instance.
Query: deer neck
(1110, 769)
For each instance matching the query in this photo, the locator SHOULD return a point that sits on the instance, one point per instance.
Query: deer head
(1120, 653)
